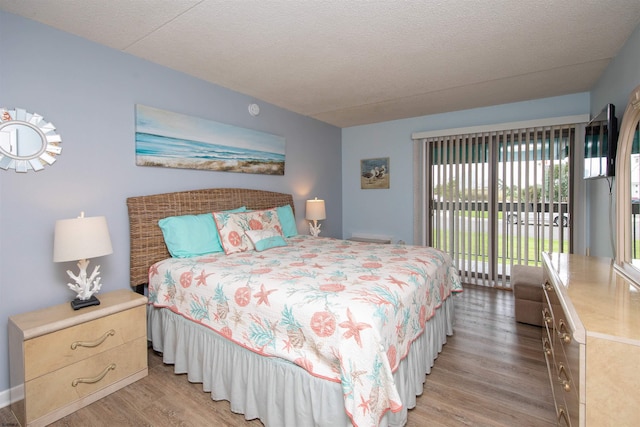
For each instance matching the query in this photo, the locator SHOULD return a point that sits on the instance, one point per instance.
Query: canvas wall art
(174, 140)
(374, 173)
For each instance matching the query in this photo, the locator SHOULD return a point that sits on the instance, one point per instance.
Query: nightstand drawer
(53, 351)
(64, 386)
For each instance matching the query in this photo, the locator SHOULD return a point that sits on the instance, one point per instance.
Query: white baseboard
(5, 398)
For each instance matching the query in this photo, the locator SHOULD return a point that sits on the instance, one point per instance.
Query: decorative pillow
(192, 235)
(265, 239)
(287, 220)
(218, 242)
(232, 227)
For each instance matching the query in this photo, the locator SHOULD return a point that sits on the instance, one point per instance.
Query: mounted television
(600, 143)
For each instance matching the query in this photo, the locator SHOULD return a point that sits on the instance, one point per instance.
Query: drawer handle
(546, 346)
(566, 382)
(562, 415)
(547, 316)
(95, 379)
(563, 334)
(95, 343)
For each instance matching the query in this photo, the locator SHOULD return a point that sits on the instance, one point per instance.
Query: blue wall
(89, 92)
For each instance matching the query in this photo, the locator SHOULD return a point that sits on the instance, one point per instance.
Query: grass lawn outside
(474, 246)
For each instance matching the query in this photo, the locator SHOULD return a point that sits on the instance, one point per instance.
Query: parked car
(565, 220)
(538, 218)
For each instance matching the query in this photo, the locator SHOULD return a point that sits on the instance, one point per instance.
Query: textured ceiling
(349, 62)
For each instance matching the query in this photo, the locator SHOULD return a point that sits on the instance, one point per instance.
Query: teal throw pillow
(287, 221)
(265, 239)
(189, 235)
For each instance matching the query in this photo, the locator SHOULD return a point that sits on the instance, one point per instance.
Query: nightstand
(62, 360)
(370, 240)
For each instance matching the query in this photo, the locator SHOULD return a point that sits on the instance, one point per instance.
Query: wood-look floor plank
(490, 373)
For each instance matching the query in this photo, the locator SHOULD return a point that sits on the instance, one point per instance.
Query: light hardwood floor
(491, 372)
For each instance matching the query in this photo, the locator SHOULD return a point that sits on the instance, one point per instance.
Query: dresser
(62, 360)
(591, 341)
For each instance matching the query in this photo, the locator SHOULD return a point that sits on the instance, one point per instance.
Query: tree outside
(556, 184)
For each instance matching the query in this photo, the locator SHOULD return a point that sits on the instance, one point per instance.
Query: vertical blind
(500, 198)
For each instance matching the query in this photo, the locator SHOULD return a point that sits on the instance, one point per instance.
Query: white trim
(5, 395)
(5, 398)
(552, 121)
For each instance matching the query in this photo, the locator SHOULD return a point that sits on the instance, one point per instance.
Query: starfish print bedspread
(344, 311)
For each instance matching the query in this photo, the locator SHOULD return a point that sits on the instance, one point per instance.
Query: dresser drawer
(548, 341)
(548, 358)
(568, 360)
(562, 355)
(78, 380)
(53, 351)
(567, 351)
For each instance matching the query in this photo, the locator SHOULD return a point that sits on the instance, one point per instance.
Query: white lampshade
(81, 238)
(315, 210)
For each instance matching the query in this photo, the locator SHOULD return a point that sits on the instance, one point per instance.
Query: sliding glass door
(497, 199)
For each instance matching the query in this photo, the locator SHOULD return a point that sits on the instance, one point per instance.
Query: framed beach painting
(374, 173)
(174, 140)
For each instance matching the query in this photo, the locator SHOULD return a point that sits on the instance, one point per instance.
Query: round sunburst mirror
(27, 141)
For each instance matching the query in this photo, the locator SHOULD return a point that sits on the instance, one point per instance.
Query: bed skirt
(276, 391)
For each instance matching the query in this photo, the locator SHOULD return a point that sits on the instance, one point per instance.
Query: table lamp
(315, 211)
(79, 239)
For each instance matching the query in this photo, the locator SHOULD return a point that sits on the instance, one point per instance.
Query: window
(496, 198)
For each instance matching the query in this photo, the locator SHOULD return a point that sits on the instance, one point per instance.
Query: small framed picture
(374, 173)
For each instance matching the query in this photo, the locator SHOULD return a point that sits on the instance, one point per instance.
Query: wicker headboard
(147, 243)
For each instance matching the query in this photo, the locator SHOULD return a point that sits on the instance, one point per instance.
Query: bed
(306, 332)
